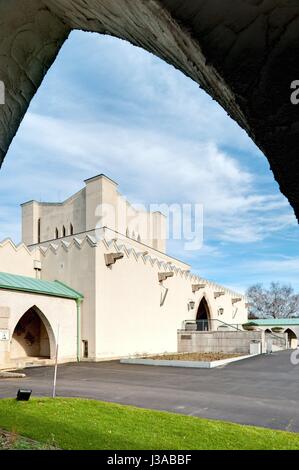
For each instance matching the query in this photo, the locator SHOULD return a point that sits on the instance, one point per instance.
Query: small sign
(4, 335)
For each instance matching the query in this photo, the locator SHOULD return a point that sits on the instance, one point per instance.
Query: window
(56, 233)
(85, 349)
(38, 231)
(71, 229)
(63, 231)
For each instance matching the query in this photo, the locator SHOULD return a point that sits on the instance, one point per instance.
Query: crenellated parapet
(138, 254)
(18, 259)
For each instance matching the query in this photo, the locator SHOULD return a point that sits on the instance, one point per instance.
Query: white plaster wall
(17, 259)
(119, 215)
(75, 266)
(4, 345)
(30, 216)
(99, 204)
(129, 317)
(56, 310)
(53, 216)
(81, 266)
(121, 313)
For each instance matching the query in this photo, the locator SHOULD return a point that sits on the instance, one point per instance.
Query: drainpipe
(78, 302)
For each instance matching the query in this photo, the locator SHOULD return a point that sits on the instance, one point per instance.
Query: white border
(188, 364)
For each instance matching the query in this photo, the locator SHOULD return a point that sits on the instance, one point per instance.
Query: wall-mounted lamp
(191, 305)
(37, 267)
(220, 311)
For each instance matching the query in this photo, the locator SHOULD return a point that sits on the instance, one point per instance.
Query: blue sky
(108, 107)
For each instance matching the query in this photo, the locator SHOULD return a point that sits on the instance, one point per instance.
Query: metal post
(79, 301)
(56, 364)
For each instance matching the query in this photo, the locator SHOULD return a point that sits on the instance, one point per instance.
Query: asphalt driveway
(261, 391)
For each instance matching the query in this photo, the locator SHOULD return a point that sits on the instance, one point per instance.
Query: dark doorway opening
(30, 337)
(203, 316)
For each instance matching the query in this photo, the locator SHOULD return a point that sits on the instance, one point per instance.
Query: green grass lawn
(89, 424)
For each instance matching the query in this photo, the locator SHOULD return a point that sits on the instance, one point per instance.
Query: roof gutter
(79, 302)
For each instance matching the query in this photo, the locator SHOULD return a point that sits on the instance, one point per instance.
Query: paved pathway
(262, 391)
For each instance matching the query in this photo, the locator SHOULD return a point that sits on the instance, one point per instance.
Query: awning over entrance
(37, 286)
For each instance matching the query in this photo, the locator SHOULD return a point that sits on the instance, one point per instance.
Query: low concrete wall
(218, 341)
(235, 342)
(188, 364)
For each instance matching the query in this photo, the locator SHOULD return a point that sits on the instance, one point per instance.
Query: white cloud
(283, 265)
(141, 85)
(284, 269)
(9, 223)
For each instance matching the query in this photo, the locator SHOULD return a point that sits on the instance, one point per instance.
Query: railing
(209, 325)
(277, 340)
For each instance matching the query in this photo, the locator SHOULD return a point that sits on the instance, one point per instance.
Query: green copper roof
(37, 286)
(275, 322)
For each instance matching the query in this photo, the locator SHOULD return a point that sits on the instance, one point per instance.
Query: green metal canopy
(37, 286)
(274, 322)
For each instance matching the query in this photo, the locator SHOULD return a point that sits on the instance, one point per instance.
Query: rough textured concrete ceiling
(242, 52)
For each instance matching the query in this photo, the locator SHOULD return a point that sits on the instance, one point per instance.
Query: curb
(187, 364)
(12, 375)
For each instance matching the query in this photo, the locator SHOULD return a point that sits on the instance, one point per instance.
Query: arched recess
(203, 315)
(268, 334)
(292, 339)
(32, 336)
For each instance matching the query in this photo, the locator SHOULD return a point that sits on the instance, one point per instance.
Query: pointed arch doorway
(203, 316)
(292, 339)
(32, 336)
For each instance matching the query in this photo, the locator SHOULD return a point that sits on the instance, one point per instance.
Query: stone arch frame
(184, 34)
(45, 321)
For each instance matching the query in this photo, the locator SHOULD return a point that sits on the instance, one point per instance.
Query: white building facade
(133, 296)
